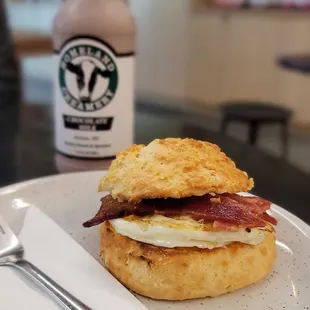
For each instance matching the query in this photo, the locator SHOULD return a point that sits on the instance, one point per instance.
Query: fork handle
(64, 298)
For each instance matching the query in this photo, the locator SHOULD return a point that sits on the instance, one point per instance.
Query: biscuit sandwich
(173, 226)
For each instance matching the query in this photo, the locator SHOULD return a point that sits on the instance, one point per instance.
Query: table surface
(27, 150)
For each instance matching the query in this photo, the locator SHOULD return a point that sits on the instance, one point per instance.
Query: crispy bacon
(112, 209)
(268, 218)
(211, 209)
(226, 209)
(254, 204)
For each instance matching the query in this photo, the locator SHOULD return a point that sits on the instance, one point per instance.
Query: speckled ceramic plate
(70, 199)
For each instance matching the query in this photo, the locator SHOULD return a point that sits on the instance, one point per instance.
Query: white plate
(71, 199)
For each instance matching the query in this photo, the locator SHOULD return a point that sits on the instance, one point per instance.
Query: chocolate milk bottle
(94, 82)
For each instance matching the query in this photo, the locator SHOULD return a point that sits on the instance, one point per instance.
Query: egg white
(182, 232)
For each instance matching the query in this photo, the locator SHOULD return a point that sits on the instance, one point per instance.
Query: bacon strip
(113, 209)
(226, 209)
(211, 209)
(268, 218)
(254, 204)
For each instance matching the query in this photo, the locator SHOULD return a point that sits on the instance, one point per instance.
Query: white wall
(212, 56)
(31, 15)
(162, 49)
(234, 57)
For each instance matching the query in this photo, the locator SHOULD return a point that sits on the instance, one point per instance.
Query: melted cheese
(182, 232)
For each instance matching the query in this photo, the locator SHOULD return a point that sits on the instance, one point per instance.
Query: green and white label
(88, 77)
(93, 99)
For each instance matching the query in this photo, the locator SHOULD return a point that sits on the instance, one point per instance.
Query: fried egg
(183, 232)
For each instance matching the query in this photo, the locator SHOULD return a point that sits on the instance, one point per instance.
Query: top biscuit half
(173, 168)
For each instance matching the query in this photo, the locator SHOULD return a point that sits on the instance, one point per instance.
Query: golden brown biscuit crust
(184, 273)
(173, 168)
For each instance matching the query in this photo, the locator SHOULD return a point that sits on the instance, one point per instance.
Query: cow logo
(88, 77)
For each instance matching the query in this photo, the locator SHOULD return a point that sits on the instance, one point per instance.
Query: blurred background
(201, 57)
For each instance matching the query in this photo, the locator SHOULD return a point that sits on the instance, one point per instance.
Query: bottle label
(93, 99)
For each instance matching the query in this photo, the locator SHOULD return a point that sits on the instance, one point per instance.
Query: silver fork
(11, 254)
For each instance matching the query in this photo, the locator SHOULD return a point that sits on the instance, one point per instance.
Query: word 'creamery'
(91, 106)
